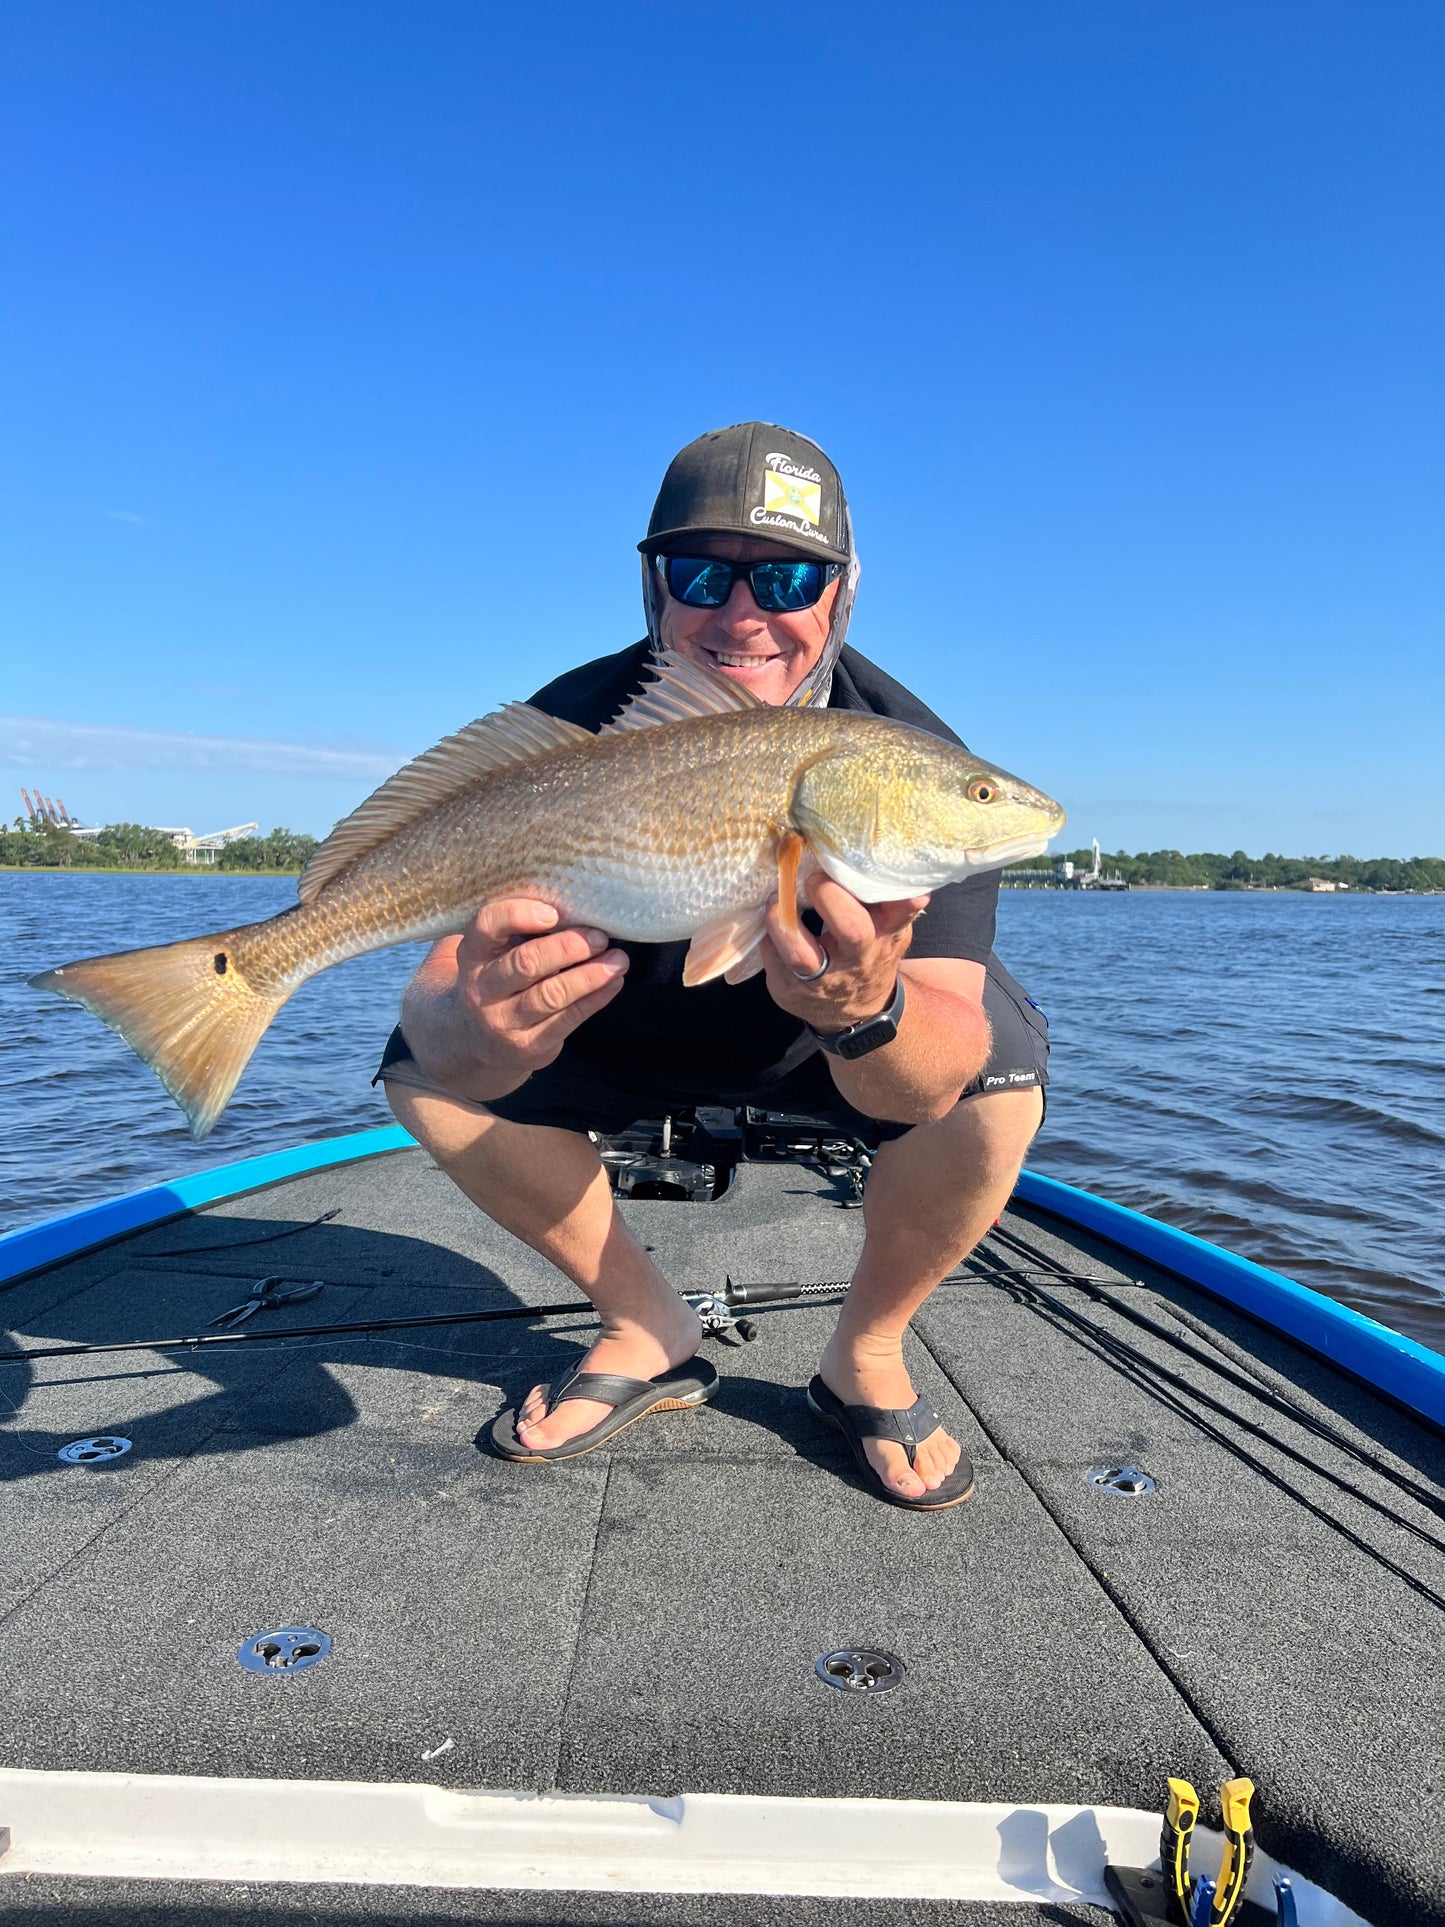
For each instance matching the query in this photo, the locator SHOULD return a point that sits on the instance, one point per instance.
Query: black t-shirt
(733, 1036)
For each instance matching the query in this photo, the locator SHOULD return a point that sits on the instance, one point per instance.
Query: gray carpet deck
(135, 1903)
(646, 1620)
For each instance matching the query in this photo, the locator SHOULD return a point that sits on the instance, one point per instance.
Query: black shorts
(571, 1095)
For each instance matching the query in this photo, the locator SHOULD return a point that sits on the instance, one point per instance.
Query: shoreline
(1214, 890)
(1175, 889)
(95, 870)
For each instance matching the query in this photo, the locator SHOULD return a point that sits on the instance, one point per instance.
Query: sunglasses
(779, 588)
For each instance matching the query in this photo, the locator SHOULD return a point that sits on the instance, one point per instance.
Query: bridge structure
(203, 849)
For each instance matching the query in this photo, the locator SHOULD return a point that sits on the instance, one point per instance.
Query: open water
(1267, 1071)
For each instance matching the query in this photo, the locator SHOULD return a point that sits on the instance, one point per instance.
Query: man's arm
(943, 1040)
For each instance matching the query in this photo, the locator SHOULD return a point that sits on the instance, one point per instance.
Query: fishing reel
(719, 1319)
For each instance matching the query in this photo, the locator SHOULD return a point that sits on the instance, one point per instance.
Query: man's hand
(943, 1041)
(865, 943)
(488, 1008)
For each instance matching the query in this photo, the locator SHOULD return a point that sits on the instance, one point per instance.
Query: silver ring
(812, 976)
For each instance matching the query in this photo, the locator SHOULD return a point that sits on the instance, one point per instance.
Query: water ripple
(1259, 1069)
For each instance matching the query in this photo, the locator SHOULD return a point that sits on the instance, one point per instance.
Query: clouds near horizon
(31, 742)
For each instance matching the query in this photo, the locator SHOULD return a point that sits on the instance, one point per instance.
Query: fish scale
(683, 819)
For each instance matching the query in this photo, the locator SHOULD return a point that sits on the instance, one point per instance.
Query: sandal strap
(607, 1388)
(907, 1428)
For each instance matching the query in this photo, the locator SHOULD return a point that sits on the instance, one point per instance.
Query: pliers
(1234, 1799)
(1221, 1905)
(264, 1298)
(1175, 1841)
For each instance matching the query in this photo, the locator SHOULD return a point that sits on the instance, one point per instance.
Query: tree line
(133, 846)
(1212, 870)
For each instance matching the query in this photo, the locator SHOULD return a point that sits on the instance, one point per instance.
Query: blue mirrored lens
(699, 581)
(780, 587)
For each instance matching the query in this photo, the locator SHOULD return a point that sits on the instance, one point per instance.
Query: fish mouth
(1016, 850)
(874, 886)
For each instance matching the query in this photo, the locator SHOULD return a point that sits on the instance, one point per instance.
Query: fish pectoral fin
(745, 967)
(682, 690)
(790, 854)
(725, 945)
(512, 735)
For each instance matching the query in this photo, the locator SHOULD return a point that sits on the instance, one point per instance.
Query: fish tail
(187, 1009)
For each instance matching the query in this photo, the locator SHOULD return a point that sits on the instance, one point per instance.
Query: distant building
(1324, 883)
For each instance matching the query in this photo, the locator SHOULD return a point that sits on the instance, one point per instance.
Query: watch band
(871, 1034)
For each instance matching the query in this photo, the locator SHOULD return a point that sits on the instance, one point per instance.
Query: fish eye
(980, 790)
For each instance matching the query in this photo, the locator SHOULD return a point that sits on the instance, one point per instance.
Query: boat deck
(646, 1619)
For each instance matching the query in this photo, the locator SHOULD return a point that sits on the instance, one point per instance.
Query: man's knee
(992, 1134)
(447, 1127)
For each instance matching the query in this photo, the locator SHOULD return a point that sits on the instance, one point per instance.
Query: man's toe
(937, 1457)
(891, 1461)
(533, 1406)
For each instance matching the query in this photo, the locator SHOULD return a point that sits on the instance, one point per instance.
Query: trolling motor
(688, 1156)
(691, 1155)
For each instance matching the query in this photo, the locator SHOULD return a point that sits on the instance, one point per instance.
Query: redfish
(683, 818)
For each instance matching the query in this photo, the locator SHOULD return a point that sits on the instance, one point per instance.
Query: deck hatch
(94, 1451)
(860, 1669)
(288, 1649)
(1127, 1480)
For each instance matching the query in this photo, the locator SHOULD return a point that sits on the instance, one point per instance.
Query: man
(521, 1035)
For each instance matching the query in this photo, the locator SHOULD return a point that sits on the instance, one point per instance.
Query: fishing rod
(1174, 1394)
(244, 1244)
(718, 1313)
(1266, 1394)
(715, 1309)
(297, 1331)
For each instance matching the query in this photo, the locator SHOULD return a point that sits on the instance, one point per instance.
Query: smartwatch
(872, 1034)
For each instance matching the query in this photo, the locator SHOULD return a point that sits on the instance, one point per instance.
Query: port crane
(42, 810)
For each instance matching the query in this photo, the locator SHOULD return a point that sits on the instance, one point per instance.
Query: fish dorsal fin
(682, 690)
(512, 735)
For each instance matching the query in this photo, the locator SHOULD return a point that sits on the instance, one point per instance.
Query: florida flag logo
(786, 495)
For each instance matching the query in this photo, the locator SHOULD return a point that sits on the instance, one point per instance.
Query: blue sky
(345, 346)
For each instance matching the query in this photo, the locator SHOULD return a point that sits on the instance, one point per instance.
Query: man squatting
(519, 1037)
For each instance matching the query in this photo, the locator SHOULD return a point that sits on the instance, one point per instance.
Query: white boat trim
(176, 1827)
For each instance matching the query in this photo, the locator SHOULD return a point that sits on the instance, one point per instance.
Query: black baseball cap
(752, 479)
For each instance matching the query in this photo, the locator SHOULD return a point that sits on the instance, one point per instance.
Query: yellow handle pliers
(1175, 1839)
(1234, 1799)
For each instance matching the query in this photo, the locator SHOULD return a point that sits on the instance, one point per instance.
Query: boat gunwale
(30, 1249)
(1396, 1368)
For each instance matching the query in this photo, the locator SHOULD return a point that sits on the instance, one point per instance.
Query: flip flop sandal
(630, 1398)
(906, 1428)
